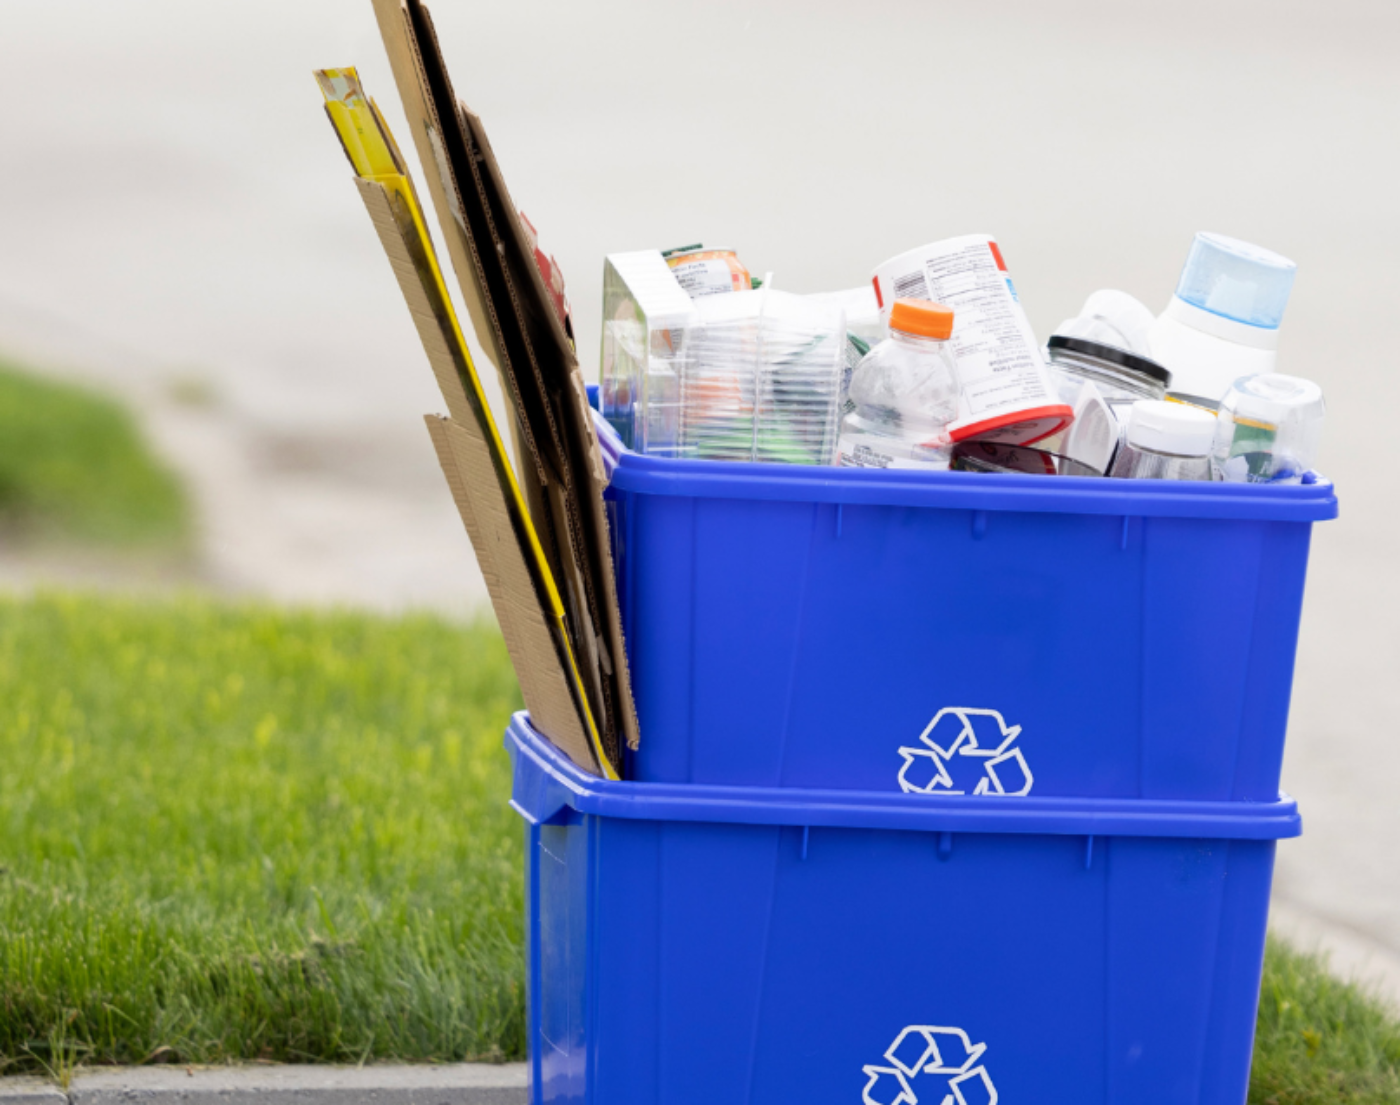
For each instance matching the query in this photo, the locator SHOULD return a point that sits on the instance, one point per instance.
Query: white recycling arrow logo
(966, 748)
(932, 1066)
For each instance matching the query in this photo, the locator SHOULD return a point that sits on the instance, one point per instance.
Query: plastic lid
(1173, 428)
(1120, 357)
(1275, 397)
(922, 317)
(1236, 280)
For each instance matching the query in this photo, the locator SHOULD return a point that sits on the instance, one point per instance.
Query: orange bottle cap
(922, 317)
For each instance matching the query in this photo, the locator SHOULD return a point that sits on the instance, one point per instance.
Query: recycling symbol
(930, 1066)
(966, 751)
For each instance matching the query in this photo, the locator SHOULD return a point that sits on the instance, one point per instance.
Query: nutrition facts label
(998, 363)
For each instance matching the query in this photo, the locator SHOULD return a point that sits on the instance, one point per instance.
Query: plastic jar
(1165, 441)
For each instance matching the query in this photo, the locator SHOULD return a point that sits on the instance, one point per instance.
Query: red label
(879, 299)
(996, 253)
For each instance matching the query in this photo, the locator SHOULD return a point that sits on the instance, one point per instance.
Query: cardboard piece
(519, 580)
(553, 710)
(515, 318)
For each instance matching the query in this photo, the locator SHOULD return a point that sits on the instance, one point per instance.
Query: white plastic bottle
(1165, 441)
(1223, 321)
(905, 393)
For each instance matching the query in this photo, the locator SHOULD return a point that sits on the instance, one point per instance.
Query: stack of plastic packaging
(761, 378)
(646, 315)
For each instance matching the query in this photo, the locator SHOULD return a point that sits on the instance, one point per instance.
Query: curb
(30, 1091)
(396, 1084)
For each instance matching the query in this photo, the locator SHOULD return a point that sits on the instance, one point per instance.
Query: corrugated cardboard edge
(575, 407)
(597, 482)
(379, 204)
(395, 28)
(466, 462)
(433, 331)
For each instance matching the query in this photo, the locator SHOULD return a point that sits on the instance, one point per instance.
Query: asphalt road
(175, 209)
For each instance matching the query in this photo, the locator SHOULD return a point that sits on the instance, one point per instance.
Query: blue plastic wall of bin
(690, 945)
(798, 626)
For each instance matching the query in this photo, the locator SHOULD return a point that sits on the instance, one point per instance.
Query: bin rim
(547, 785)
(711, 479)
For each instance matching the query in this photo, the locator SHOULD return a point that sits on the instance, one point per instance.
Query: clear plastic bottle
(1165, 441)
(1268, 429)
(905, 392)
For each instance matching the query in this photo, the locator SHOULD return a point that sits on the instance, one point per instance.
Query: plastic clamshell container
(954, 632)
(689, 945)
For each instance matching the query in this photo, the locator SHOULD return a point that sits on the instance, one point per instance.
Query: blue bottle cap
(1236, 280)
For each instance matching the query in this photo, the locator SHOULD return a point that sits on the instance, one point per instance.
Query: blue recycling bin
(696, 944)
(957, 633)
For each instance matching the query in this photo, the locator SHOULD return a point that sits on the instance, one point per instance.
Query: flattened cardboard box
(560, 464)
(470, 451)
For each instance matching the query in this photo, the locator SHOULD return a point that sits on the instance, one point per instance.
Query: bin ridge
(684, 478)
(551, 783)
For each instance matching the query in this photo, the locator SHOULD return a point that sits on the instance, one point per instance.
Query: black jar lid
(1113, 355)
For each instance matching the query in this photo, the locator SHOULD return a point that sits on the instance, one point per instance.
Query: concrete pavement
(272, 1084)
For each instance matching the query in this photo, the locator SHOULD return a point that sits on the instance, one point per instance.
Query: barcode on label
(911, 286)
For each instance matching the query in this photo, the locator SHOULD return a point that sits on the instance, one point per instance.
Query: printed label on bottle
(857, 450)
(999, 364)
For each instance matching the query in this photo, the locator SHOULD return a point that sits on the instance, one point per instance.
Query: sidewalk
(456, 1084)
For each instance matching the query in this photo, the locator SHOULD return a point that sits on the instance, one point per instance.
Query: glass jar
(1120, 376)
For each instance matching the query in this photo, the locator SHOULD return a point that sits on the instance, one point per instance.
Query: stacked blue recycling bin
(952, 789)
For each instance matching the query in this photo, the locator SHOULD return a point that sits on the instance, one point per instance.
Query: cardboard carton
(543, 641)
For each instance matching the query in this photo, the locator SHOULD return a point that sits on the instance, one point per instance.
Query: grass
(235, 833)
(1320, 1041)
(73, 467)
(240, 833)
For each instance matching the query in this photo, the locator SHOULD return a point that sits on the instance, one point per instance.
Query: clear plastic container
(905, 393)
(761, 378)
(646, 315)
(1268, 430)
(1165, 441)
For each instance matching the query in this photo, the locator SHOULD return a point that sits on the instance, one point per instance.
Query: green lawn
(235, 832)
(240, 833)
(73, 467)
(1320, 1041)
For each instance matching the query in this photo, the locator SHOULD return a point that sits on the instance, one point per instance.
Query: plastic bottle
(905, 392)
(1268, 430)
(1007, 394)
(1165, 441)
(1223, 321)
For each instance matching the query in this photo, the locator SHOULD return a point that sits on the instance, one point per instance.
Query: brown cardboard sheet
(560, 464)
(466, 462)
(478, 475)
